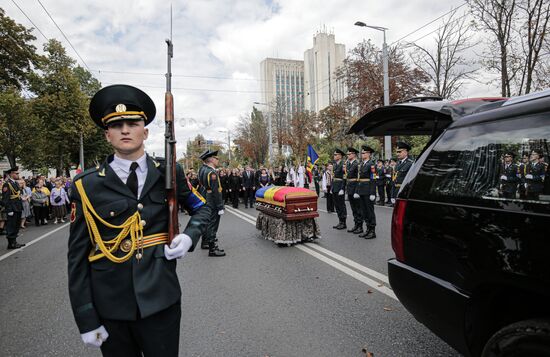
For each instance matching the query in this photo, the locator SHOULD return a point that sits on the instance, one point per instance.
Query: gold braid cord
(132, 226)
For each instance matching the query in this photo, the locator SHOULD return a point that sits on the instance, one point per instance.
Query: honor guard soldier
(534, 179)
(338, 188)
(403, 166)
(522, 172)
(123, 286)
(352, 179)
(366, 188)
(381, 181)
(13, 206)
(509, 176)
(211, 188)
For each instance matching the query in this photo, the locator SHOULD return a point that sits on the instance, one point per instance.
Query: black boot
(341, 225)
(358, 230)
(216, 246)
(370, 234)
(214, 252)
(355, 226)
(204, 243)
(12, 244)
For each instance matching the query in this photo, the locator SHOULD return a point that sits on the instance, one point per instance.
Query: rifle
(170, 150)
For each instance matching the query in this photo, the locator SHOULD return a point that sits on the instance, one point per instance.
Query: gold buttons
(140, 206)
(126, 245)
(143, 223)
(112, 214)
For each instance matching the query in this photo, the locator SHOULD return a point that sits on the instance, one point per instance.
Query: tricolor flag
(312, 158)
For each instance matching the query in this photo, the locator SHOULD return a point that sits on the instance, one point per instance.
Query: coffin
(288, 203)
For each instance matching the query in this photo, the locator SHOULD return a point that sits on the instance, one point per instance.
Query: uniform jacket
(367, 171)
(352, 168)
(338, 183)
(11, 196)
(401, 170)
(106, 290)
(511, 172)
(381, 176)
(536, 184)
(210, 187)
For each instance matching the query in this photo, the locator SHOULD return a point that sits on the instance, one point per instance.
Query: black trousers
(40, 214)
(13, 223)
(381, 192)
(340, 205)
(249, 197)
(367, 209)
(330, 201)
(356, 210)
(317, 188)
(156, 335)
(213, 224)
(388, 191)
(235, 198)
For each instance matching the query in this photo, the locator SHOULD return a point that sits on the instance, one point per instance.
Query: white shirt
(122, 168)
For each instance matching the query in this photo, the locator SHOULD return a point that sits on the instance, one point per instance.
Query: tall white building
(320, 64)
(283, 79)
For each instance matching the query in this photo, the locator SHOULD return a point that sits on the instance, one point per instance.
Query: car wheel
(525, 338)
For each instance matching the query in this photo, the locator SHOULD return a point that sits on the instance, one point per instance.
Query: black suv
(471, 224)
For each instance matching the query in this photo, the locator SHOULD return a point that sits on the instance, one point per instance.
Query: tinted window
(485, 165)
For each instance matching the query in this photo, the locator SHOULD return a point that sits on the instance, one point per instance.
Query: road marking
(344, 269)
(32, 242)
(315, 251)
(242, 213)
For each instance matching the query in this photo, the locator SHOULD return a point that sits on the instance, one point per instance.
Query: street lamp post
(387, 138)
(269, 132)
(228, 142)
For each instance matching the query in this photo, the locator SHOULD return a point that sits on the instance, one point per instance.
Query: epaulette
(86, 172)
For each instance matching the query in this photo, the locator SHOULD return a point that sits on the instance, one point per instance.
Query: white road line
(32, 242)
(242, 213)
(373, 284)
(350, 262)
(315, 251)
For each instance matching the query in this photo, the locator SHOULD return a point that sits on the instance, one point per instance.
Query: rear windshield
(501, 164)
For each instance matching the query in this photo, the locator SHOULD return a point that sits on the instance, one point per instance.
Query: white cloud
(212, 38)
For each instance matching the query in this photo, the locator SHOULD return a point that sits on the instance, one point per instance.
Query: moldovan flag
(312, 158)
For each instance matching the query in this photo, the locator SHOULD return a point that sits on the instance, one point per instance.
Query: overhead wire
(28, 18)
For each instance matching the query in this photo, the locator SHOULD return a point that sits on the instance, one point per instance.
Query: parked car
(471, 234)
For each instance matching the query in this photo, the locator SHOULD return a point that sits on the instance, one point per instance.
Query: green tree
(17, 54)
(251, 138)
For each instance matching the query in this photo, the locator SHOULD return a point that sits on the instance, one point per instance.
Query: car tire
(525, 338)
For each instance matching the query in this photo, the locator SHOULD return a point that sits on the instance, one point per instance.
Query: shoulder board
(85, 173)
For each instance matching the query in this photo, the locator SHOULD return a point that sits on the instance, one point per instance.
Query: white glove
(388, 175)
(178, 247)
(10, 214)
(356, 195)
(341, 193)
(96, 337)
(393, 201)
(529, 176)
(372, 197)
(220, 212)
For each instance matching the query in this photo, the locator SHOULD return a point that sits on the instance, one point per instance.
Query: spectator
(58, 199)
(39, 200)
(26, 200)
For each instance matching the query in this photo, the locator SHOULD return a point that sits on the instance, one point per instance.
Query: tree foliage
(252, 139)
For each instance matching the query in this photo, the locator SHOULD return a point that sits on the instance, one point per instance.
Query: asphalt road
(330, 298)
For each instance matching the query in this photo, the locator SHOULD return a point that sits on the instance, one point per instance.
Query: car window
(499, 164)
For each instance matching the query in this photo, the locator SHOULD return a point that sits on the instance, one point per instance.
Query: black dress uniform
(535, 180)
(366, 188)
(401, 169)
(509, 178)
(13, 206)
(339, 183)
(210, 188)
(389, 182)
(381, 180)
(118, 274)
(352, 179)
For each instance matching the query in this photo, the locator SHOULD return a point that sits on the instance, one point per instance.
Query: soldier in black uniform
(352, 179)
(534, 178)
(123, 286)
(13, 206)
(403, 166)
(381, 182)
(522, 172)
(390, 169)
(509, 176)
(366, 188)
(210, 187)
(338, 188)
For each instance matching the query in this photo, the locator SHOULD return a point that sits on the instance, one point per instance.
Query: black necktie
(132, 181)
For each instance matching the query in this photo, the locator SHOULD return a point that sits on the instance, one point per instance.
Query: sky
(218, 46)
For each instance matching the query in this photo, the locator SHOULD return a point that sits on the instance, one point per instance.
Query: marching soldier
(509, 176)
(381, 181)
(338, 188)
(401, 169)
(366, 188)
(13, 206)
(352, 179)
(211, 189)
(123, 284)
(534, 178)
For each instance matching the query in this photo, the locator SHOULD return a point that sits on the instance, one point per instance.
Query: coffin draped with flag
(287, 214)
